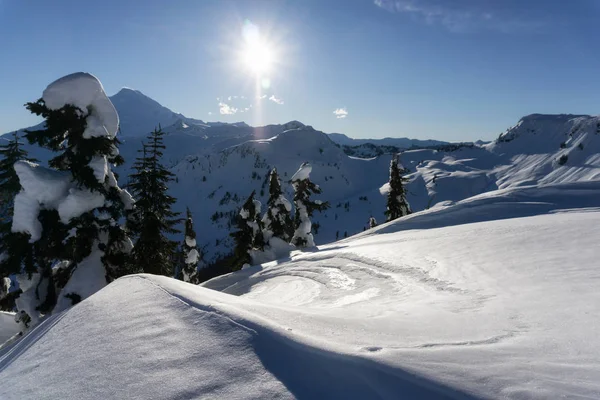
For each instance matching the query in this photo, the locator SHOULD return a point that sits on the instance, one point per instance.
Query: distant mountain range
(217, 165)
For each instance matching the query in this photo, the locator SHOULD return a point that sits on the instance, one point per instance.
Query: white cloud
(462, 15)
(210, 113)
(226, 109)
(264, 96)
(340, 113)
(275, 99)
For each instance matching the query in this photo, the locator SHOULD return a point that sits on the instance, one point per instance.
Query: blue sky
(450, 70)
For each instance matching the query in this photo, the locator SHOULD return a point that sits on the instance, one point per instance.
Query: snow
(490, 297)
(44, 188)
(85, 92)
(27, 301)
(192, 257)
(8, 327)
(302, 173)
(275, 249)
(41, 188)
(190, 242)
(88, 278)
(77, 202)
(100, 167)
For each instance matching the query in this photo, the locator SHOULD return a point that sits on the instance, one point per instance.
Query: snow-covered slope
(493, 297)
(215, 184)
(402, 143)
(218, 165)
(140, 114)
(540, 149)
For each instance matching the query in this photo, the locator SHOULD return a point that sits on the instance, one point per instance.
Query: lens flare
(257, 54)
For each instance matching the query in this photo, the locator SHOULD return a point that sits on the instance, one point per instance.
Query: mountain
(139, 114)
(492, 297)
(401, 143)
(488, 290)
(217, 165)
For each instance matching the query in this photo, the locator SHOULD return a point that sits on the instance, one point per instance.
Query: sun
(257, 53)
(257, 57)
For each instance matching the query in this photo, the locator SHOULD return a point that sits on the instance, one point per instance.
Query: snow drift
(492, 297)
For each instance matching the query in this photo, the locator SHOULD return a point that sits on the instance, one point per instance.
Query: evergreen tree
(88, 230)
(152, 218)
(11, 152)
(277, 221)
(372, 222)
(397, 205)
(248, 237)
(303, 189)
(190, 253)
(15, 247)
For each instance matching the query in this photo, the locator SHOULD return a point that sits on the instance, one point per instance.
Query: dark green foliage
(7, 301)
(18, 252)
(74, 297)
(248, 235)
(397, 205)
(11, 152)
(563, 159)
(152, 219)
(64, 134)
(278, 218)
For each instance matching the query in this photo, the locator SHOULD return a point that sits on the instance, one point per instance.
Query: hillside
(429, 306)
(218, 165)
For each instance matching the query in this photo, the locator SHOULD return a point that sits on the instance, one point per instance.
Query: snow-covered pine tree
(277, 221)
(303, 188)
(397, 205)
(72, 210)
(152, 218)
(17, 252)
(248, 237)
(191, 254)
(372, 222)
(11, 152)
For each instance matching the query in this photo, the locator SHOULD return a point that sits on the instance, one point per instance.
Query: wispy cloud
(340, 113)
(210, 113)
(275, 99)
(226, 109)
(463, 15)
(264, 96)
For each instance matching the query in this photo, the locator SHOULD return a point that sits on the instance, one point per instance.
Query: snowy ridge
(218, 165)
(430, 306)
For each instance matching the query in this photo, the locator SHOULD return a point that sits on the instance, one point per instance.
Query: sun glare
(257, 57)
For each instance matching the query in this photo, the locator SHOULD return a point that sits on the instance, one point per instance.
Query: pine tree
(190, 253)
(303, 189)
(152, 218)
(277, 221)
(248, 237)
(85, 150)
(15, 247)
(397, 205)
(372, 222)
(11, 152)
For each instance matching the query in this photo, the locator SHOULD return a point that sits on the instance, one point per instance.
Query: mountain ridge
(217, 166)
